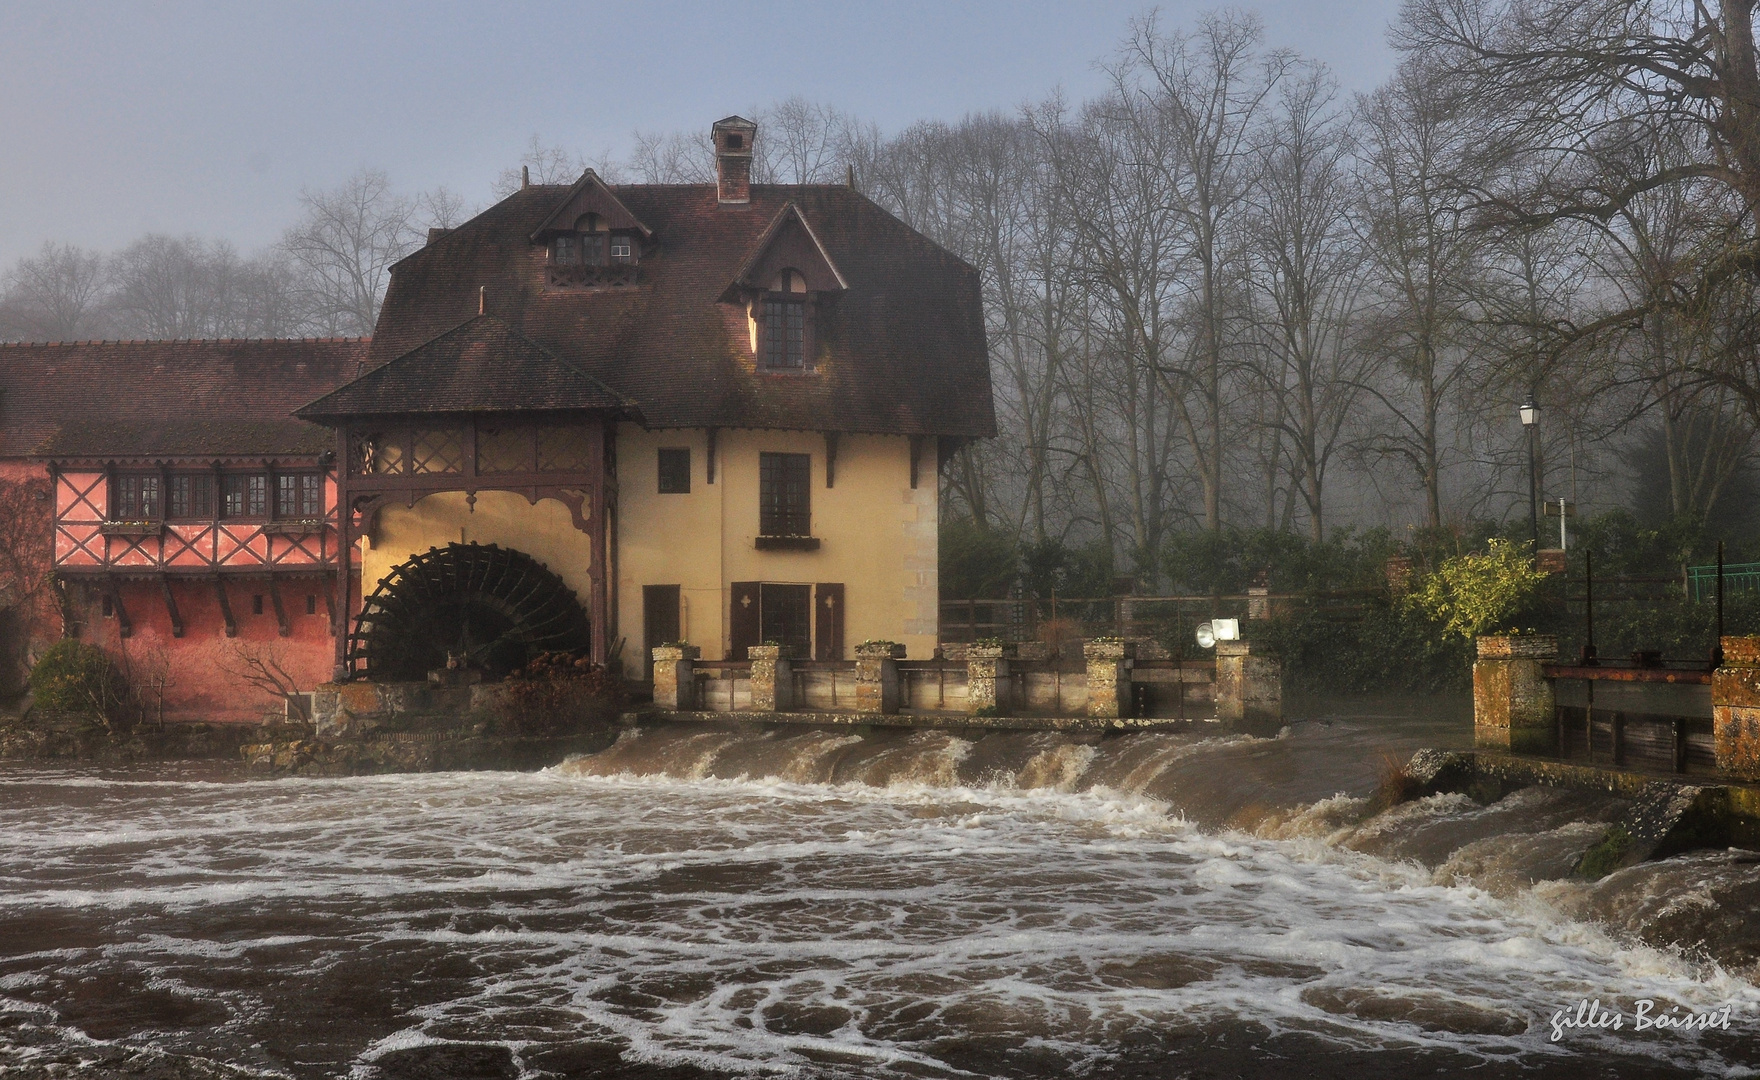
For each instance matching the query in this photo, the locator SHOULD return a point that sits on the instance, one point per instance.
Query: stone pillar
(987, 679)
(1735, 708)
(1249, 688)
(675, 676)
(1513, 704)
(772, 678)
(1109, 677)
(877, 676)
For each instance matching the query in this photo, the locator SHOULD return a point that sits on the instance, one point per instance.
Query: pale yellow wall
(545, 531)
(668, 539)
(878, 534)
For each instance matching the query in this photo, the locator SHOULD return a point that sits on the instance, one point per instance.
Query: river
(695, 903)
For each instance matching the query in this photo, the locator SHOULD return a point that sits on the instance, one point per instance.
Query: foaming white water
(763, 924)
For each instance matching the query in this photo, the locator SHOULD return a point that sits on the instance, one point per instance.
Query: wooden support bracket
(831, 459)
(709, 462)
(123, 626)
(171, 607)
(916, 458)
(225, 607)
(280, 609)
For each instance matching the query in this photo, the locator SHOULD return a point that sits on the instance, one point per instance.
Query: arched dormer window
(785, 338)
(591, 254)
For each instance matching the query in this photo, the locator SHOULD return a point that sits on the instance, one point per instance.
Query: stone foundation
(1514, 707)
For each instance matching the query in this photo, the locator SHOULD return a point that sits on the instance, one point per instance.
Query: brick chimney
(733, 159)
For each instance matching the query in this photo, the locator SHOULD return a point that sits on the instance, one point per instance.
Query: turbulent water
(700, 902)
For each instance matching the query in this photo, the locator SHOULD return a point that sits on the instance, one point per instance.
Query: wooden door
(660, 622)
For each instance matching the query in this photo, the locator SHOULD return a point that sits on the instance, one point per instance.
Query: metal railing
(1164, 618)
(1737, 578)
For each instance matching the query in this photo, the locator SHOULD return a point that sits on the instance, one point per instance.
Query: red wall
(203, 669)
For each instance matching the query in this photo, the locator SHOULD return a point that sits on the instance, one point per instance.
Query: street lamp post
(1530, 413)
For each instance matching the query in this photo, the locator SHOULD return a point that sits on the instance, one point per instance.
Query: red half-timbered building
(193, 518)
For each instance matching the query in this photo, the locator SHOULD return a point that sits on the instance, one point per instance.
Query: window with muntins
(244, 496)
(785, 332)
(191, 498)
(784, 494)
(675, 470)
(137, 498)
(299, 495)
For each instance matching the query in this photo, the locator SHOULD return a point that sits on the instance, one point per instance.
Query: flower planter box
(132, 528)
(293, 528)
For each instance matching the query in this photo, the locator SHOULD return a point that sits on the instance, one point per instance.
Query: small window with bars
(784, 494)
(191, 497)
(244, 496)
(675, 470)
(137, 498)
(785, 331)
(299, 495)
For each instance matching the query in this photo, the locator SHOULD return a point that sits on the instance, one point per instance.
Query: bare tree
(55, 295)
(1307, 278)
(1422, 266)
(346, 242)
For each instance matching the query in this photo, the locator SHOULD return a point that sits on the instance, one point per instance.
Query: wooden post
(344, 555)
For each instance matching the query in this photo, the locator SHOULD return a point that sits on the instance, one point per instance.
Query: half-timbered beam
(171, 606)
(123, 625)
(225, 607)
(280, 608)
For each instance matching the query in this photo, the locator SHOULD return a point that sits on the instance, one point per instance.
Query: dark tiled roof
(901, 350)
(168, 398)
(483, 365)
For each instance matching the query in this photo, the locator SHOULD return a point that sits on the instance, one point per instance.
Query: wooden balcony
(577, 276)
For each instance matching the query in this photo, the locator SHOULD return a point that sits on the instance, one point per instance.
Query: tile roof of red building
(483, 365)
(222, 398)
(902, 349)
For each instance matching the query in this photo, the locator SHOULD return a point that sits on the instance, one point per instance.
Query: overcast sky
(121, 119)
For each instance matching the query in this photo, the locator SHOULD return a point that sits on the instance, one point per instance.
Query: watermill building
(595, 416)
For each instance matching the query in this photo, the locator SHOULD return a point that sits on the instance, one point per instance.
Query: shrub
(1482, 592)
(74, 676)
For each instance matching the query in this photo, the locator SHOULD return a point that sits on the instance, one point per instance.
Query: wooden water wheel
(486, 605)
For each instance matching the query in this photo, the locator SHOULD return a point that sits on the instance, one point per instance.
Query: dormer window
(785, 344)
(592, 256)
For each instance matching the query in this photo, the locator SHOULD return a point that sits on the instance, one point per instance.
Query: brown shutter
(828, 622)
(743, 625)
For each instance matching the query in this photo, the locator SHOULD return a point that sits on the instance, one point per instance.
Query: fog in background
(1283, 269)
